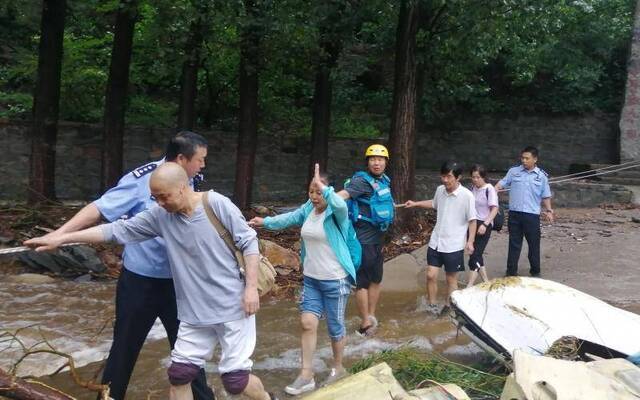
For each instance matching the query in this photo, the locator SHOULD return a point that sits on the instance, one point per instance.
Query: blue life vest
(380, 203)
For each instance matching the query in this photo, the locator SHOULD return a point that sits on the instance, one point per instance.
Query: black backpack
(498, 221)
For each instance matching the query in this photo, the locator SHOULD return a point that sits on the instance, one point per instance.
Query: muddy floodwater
(593, 250)
(76, 318)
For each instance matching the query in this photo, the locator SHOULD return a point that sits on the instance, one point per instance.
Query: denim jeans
(327, 298)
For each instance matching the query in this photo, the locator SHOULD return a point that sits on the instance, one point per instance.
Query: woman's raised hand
(317, 181)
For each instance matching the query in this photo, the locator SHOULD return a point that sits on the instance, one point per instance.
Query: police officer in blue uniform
(529, 187)
(145, 289)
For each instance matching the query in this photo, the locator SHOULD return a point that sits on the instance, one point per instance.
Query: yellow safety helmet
(377, 150)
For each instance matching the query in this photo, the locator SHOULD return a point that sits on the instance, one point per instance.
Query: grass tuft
(414, 370)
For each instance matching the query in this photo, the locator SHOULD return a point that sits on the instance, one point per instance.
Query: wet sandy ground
(596, 251)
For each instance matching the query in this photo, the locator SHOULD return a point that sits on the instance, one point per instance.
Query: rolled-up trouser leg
(235, 381)
(182, 373)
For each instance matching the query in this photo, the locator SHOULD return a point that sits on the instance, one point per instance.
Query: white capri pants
(196, 344)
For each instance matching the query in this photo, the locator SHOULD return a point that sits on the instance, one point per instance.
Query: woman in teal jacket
(329, 260)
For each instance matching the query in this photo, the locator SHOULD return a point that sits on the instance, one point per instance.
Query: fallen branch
(13, 387)
(28, 388)
(91, 385)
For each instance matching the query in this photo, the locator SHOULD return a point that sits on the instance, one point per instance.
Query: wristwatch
(549, 210)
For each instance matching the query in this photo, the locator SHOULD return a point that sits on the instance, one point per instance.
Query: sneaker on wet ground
(335, 375)
(433, 309)
(300, 385)
(367, 331)
(373, 320)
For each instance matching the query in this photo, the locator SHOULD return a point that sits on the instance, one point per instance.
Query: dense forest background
(339, 68)
(474, 56)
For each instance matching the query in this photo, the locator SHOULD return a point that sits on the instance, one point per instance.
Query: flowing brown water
(76, 318)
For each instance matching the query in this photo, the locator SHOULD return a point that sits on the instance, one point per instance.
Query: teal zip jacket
(336, 211)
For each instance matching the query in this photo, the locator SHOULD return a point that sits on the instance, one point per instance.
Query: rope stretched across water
(591, 173)
(21, 249)
(613, 168)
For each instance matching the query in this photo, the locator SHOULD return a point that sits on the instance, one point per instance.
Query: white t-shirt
(320, 261)
(455, 210)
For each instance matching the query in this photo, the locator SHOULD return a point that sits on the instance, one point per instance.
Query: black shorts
(370, 270)
(479, 245)
(453, 262)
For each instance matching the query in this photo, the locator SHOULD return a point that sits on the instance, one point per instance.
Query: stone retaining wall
(281, 162)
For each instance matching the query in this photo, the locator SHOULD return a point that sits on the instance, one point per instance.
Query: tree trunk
(321, 119)
(403, 115)
(116, 96)
(321, 111)
(248, 124)
(190, 66)
(16, 388)
(630, 115)
(46, 102)
(210, 112)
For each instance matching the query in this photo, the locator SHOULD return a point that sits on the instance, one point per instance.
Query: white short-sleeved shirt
(455, 210)
(320, 262)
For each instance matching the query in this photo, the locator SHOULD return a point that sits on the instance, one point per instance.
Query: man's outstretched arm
(55, 240)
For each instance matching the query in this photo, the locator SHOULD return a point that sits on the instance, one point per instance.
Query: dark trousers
(139, 301)
(527, 225)
(479, 245)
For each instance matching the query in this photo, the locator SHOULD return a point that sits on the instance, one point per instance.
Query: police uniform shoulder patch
(145, 169)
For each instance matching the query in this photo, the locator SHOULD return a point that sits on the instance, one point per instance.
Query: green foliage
(84, 77)
(412, 369)
(15, 105)
(146, 111)
(495, 56)
(525, 55)
(361, 128)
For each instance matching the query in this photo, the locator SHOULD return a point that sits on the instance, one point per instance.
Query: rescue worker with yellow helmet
(371, 210)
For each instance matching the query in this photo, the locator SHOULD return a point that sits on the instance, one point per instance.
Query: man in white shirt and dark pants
(456, 219)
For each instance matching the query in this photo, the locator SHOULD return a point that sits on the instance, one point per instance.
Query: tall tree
(116, 96)
(330, 29)
(630, 116)
(248, 124)
(403, 113)
(46, 103)
(190, 67)
(321, 109)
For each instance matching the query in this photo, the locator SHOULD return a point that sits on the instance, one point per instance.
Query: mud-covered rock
(279, 256)
(66, 261)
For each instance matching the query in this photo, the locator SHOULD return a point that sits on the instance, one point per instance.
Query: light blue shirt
(129, 197)
(206, 275)
(527, 189)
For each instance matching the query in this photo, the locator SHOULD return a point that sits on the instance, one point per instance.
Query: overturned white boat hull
(529, 314)
(545, 378)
